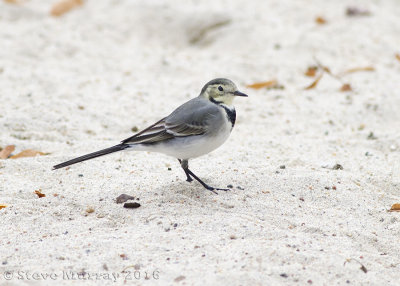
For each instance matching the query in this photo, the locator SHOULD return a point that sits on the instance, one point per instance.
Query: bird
(195, 128)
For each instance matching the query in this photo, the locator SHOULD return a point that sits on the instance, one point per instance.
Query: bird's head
(221, 90)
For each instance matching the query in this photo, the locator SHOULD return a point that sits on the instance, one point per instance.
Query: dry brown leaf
(39, 193)
(315, 82)
(397, 57)
(395, 208)
(14, 1)
(198, 35)
(6, 151)
(362, 267)
(311, 71)
(258, 85)
(27, 153)
(320, 20)
(325, 69)
(346, 87)
(2, 206)
(360, 69)
(64, 6)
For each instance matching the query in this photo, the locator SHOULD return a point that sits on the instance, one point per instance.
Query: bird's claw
(217, 189)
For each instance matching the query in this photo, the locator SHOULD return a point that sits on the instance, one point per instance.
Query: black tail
(106, 151)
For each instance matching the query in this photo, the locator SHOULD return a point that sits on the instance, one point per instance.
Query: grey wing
(191, 118)
(151, 134)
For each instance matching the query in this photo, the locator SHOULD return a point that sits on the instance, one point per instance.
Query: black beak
(238, 93)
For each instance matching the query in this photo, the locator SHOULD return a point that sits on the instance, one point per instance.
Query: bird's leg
(185, 167)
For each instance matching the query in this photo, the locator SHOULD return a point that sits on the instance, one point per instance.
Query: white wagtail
(195, 128)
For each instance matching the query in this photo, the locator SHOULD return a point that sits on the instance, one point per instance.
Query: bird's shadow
(193, 191)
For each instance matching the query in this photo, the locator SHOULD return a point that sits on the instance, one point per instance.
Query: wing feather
(185, 129)
(191, 118)
(162, 131)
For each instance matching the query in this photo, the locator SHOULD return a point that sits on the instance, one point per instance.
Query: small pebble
(131, 205)
(123, 198)
(229, 186)
(179, 278)
(284, 275)
(282, 167)
(80, 175)
(337, 167)
(357, 11)
(371, 136)
(240, 188)
(90, 210)
(332, 166)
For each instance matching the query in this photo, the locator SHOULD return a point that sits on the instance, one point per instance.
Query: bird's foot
(222, 189)
(216, 189)
(189, 179)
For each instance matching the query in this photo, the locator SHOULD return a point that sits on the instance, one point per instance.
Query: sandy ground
(78, 83)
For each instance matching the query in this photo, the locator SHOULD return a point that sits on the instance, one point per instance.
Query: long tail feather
(106, 151)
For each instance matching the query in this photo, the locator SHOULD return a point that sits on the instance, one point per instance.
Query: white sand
(79, 83)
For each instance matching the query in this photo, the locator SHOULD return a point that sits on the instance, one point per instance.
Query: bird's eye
(220, 88)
